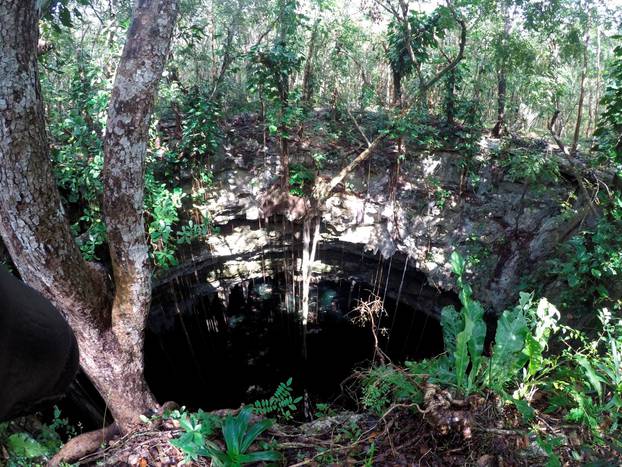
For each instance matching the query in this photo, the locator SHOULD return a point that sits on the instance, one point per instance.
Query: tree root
(82, 445)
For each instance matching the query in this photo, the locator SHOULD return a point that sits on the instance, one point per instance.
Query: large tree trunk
(32, 221)
(125, 146)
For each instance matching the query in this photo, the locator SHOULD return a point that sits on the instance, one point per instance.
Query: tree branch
(125, 145)
(459, 56)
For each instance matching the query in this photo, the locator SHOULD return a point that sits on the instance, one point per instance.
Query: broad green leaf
(475, 314)
(457, 263)
(593, 377)
(260, 456)
(461, 354)
(533, 351)
(507, 356)
(253, 432)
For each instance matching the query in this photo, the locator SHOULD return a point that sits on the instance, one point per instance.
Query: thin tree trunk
(500, 125)
(283, 81)
(397, 88)
(309, 250)
(307, 79)
(451, 97)
(599, 73)
(577, 127)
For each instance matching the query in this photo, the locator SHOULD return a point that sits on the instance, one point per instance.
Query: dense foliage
(577, 375)
(299, 55)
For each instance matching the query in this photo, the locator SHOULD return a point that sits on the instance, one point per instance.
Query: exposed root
(446, 414)
(84, 444)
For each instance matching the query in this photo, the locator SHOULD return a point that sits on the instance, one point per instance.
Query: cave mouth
(203, 351)
(211, 347)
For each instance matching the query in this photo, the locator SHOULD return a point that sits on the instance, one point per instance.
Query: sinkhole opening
(220, 350)
(211, 348)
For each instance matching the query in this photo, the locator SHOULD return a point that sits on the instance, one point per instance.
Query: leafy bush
(521, 337)
(300, 177)
(582, 381)
(529, 166)
(591, 262)
(201, 134)
(586, 381)
(30, 448)
(197, 428)
(238, 432)
(385, 385)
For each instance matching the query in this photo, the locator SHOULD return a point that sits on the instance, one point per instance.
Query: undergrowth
(239, 444)
(580, 381)
(24, 445)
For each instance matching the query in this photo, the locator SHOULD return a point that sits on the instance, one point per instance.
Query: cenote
(212, 343)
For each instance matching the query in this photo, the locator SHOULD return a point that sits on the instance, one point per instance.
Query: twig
(500, 431)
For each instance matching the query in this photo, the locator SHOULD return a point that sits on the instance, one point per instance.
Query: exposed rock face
(501, 222)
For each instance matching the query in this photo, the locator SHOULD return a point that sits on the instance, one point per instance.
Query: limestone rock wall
(504, 224)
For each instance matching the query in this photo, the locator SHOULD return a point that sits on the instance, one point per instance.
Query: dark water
(205, 352)
(213, 354)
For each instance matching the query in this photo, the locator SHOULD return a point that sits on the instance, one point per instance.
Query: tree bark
(32, 220)
(396, 98)
(125, 146)
(499, 127)
(450, 104)
(577, 128)
(307, 77)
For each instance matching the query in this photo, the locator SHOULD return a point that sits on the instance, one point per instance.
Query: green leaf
(260, 456)
(475, 313)
(23, 445)
(593, 377)
(65, 17)
(524, 409)
(461, 354)
(533, 351)
(253, 432)
(507, 354)
(457, 263)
